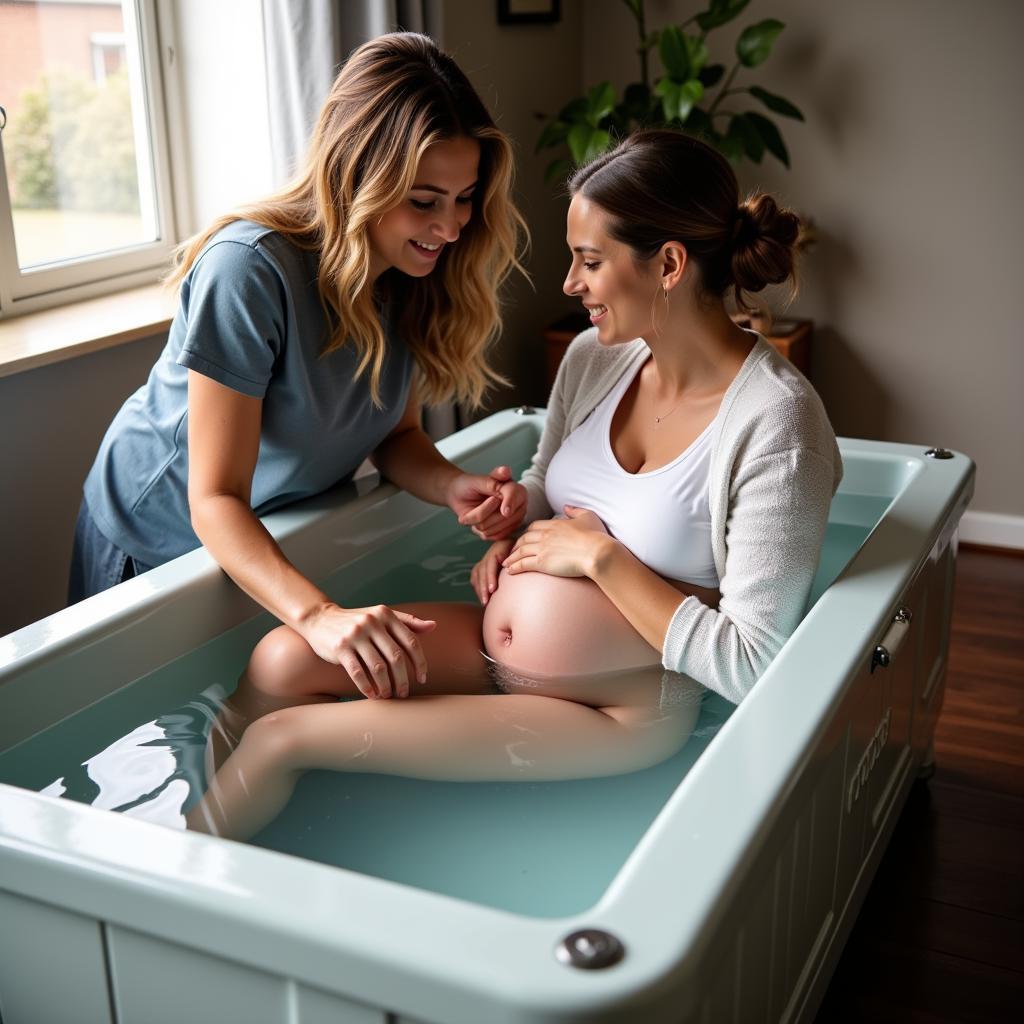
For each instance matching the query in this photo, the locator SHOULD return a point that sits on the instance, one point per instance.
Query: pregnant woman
(691, 469)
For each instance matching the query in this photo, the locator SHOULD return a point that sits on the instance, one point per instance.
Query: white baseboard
(992, 529)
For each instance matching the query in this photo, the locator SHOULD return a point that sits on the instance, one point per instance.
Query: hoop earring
(654, 301)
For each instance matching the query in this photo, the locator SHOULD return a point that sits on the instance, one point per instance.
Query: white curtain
(306, 42)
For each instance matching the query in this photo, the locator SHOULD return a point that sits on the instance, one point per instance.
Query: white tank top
(663, 516)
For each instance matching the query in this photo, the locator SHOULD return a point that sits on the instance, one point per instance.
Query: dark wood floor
(941, 936)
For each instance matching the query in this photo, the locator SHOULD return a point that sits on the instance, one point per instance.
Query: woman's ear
(673, 264)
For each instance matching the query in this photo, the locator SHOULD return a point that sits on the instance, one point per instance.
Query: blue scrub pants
(96, 563)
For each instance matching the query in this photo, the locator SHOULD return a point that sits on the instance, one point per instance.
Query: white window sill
(53, 335)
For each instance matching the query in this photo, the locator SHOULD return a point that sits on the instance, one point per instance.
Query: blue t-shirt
(250, 317)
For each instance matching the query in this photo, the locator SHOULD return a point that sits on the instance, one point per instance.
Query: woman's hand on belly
(560, 547)
(484, 576)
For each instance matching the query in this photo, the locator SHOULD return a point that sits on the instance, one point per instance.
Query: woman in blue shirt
(311, 327)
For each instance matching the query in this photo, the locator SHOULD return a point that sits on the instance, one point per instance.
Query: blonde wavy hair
(396, 96)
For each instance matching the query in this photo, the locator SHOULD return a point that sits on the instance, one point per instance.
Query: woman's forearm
(643, 597)
(243, 547)
(411, 461)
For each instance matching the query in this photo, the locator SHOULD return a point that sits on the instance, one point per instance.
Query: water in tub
(545, 849)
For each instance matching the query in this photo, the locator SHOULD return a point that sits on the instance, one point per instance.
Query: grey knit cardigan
(775, 465)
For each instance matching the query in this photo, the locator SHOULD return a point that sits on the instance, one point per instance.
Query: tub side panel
(313, 1006)
(753, 986)
(937, 610)
(890, 759)
(165, 983)
(719, 1005)
(39, 943)
(784, 910)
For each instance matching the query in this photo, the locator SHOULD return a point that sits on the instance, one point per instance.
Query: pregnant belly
(547, 626)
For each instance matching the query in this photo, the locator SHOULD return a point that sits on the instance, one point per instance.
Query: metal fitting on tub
(882, 655)
(590, 949)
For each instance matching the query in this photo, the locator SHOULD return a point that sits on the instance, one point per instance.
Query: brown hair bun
(765, 246)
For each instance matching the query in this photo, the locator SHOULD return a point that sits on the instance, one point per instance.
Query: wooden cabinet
(791, 337)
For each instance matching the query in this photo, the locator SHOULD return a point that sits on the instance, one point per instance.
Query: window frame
(88, 276)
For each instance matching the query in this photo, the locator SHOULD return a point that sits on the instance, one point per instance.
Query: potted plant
(690, 95)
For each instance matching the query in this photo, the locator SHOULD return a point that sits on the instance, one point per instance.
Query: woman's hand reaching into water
(376, 646)
(484, 576)
(493, 505)
(560, 547)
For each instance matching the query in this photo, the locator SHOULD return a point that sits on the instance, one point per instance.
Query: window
(85, 200)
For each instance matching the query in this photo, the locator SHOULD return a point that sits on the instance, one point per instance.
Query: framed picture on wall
(528, 12)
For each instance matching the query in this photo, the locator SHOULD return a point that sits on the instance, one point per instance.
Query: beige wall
(519, 69)
(909, 162)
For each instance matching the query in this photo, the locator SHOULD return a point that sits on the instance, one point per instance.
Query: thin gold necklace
(665, 416)
(657, 419)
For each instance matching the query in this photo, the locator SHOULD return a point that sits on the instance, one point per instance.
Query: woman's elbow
(207, 507)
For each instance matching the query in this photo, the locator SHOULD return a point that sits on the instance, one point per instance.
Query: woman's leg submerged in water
(607, 708)
(284, 671)
(460, 738)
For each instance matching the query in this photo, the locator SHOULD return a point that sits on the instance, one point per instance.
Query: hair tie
(737, 226)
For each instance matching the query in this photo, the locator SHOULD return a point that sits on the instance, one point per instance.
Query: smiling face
(412, 235)
(617, 292)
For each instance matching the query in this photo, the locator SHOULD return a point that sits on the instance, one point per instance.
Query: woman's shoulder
(234, 250)
(251, 258)
(773, 402)
(243, 243)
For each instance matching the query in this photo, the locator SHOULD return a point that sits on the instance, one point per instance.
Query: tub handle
(884, 652)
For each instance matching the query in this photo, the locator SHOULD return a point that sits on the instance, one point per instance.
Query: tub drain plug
(590, 949)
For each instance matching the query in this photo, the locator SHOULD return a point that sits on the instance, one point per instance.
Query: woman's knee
(650, 735)
(281, 664)
(274, 741)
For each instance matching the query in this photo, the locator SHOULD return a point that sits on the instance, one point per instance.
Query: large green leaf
(720, 12)
(769, 136)
(600, 103)
(675, 54)
(553, 134)
(579, 139)
(697, 50)
(636, 102)
(776, 103)
(690, 93)
(741, 128)
(699, 124)
(587, 142)
(600, 140)
(669, 93)
(678, 98)
(755, 42)
(731, 147)
(574, 110)
(711, 75)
